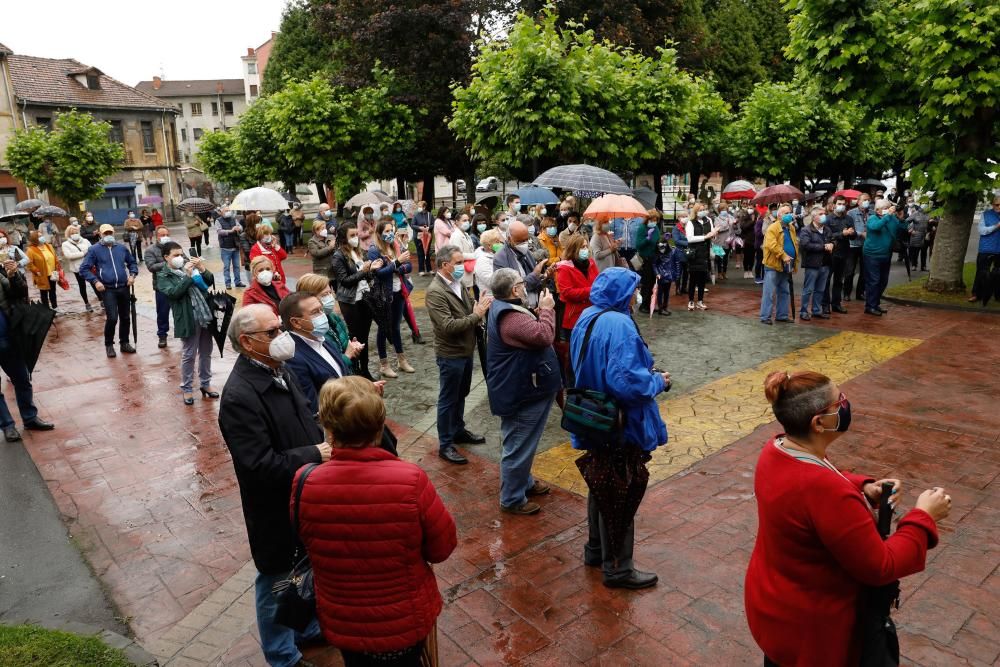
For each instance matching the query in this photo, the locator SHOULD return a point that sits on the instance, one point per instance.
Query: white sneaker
(702, 306)
(690, 305)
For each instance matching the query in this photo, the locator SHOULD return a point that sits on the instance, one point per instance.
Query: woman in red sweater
(372, 524)
(817, 543)
(266, 287)
(574, 277)
(267, 246)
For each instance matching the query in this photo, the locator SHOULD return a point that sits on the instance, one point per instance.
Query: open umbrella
(48, 211)
(616, 477)
(777, 194)
(608, 207)
(813, 196)
(368, 199)
(847, 194)
(739, 190)
(646, 197)
(870, 184)
(29, 204)
(583, 178)
(196, 205)
(533, 195)
(222, 306)
(259, 199)
(489, 201)
(151, 199)
(29, 324)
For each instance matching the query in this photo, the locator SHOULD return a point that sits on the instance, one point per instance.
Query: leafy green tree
(219, 157)
(300, 50)
(557, 94)
(938, 60)
(772, 37)
(72, 162)
(703, 147)
(734, 55)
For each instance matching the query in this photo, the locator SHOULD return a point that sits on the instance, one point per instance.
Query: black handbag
(296, 593)
(592, 415)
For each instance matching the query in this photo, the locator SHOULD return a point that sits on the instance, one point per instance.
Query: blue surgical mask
(551, 231)
(320, 326)
(43, 239)
(108, 240)
(787, 218)
(458, 272)
(584, 254)
(481, 228)
(865, 204)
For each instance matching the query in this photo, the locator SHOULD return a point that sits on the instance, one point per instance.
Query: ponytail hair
(796, 398)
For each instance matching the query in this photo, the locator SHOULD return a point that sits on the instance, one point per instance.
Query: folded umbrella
(135, 320)
(222, 305)
(652, 298)
(28, 326)
(617, 477)
(879, 641)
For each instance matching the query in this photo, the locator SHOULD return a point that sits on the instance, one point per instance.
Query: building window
(180, 105)
(253, 90)
(147, 137)
(93, 82)
(228, 107)
(196, 108)
(251, 68)
(117, 133)
(215, 108)
(184, 134)
(44, 122)
(198, 133)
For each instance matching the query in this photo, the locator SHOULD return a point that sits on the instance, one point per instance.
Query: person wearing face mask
(549, 239)
(799, 211)
(490, 243)
(155, 262)
(780, 263)
(646, 240)
(321, 247)
(461, 238)
(135, 231)
(625, 232)
(575, 275)
(679, 236)
(699, 233)
(841, 231)
(157, 219)
(44, 266)
(916, 227)
(386, 297)
(185, 283)
(443, 227)
(516, 255)
(571, 228)
(354, 274)
(263, 288)
(815, 247)
(192, 223)
(603, 246)
(111, 269)
(89, 229)
(882, 228)
(227, 230)
(147, 226)
(855, 259)
(315, 360)
(667, 267)
(423, 223)
(562, 219)
(247, 239)
(286, 230)
(51, 230)
(366, 228)
(271, 432)
(74, 249)
(9, 252)
(336, 334)
(816, 557)
(267, 246)
(513, 206)
(745, 218)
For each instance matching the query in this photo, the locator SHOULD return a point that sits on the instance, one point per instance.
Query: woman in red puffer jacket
(371, 525)
(574, 277)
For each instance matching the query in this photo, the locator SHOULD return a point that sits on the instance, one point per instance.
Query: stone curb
(134, 653)
(938, 306)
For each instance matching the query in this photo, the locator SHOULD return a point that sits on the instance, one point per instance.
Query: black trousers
(748, 258)
(116, 308)
(48, 296)
(195, 246)
(854, 266)
(918, 252)
(81, 282)
(758, 264)
(358, 317)
(722, 263)
(834, 292)
(646, 279)
(985, 262)
(697, 280)
(596, 551)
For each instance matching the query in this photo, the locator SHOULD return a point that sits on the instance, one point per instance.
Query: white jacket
(484, 270)
(462, 241)
(73, 253)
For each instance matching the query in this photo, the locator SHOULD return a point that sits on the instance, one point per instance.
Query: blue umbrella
(532, 195)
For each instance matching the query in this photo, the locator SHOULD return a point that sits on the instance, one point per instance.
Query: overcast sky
(132, 41)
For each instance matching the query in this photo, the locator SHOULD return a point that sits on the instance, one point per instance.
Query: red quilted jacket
(371, 524)
(574, 290)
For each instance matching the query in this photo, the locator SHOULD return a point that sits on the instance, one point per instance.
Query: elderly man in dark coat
(271, 432)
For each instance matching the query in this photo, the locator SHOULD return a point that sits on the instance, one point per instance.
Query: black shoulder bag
(592, 415)
(296, 594)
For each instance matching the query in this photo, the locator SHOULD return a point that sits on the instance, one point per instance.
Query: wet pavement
(146, 487)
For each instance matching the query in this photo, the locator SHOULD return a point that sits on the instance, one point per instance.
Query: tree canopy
(73, 161)
(300, 50)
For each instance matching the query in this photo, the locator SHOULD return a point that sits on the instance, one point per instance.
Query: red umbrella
(777, 194)
(738, 190)
(847, 194)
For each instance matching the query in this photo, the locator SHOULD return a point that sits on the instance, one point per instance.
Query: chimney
(157, 82)
(218, 87)
(250, 52)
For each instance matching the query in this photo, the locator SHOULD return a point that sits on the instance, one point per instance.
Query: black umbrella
(135, 320)
(48, 211)
(646, 196)
(879, 642)
(29, 205)
(29, 325)
(617, 477)
(196, 205)
(869, 184)
(222, 306)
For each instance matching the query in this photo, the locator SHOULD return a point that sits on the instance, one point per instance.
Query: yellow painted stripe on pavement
(704, 421)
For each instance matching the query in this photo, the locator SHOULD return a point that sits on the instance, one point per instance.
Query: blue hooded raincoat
(618, 361)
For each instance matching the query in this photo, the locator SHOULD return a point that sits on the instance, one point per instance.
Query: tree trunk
(695, 176)
(470, 184)
(428, 194)
(950, 245)
(321, 191)
(658, 187)
(401, 188)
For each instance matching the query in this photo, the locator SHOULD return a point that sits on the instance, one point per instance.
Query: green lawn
(914, 291)
(31, 646)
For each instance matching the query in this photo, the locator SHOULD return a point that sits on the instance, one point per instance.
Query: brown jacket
(454, 322)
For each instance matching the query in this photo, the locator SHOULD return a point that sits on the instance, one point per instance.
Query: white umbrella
(584, 180)
(259, 199)
(372, 199)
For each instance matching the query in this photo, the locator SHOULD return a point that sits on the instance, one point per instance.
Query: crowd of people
(548, 302)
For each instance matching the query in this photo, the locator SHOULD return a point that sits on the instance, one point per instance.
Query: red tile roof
(193, 88)
(49, 81)
(4, 49)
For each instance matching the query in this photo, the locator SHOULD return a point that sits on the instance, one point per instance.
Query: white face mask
(353, 241)
(267, 240)
(89, 218)
(265, 277)
(282, 348)
(177, 262)
(522, 247)
(465, 226)
(75, 237)
(323, 233)
(328, 301)
(447, 215)
(702, 214)
(571, 226)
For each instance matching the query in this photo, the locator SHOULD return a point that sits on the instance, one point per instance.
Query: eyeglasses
(271, 333)
(841, 402)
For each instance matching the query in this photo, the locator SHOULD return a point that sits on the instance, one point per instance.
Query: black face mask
(843, 418)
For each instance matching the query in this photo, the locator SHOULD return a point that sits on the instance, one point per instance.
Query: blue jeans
(454, 383)
(876, 279)
(277, 641)
(519, 436)
(288, 239)
(231, 258)
(395, 321)
(813, 289)
(14, 368)
(775, 288)
(162, 314)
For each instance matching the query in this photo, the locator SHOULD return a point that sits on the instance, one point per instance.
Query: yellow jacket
(42, 262)
(774, 247)
(551, 244)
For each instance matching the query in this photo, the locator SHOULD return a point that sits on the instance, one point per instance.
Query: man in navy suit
(315, 360)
